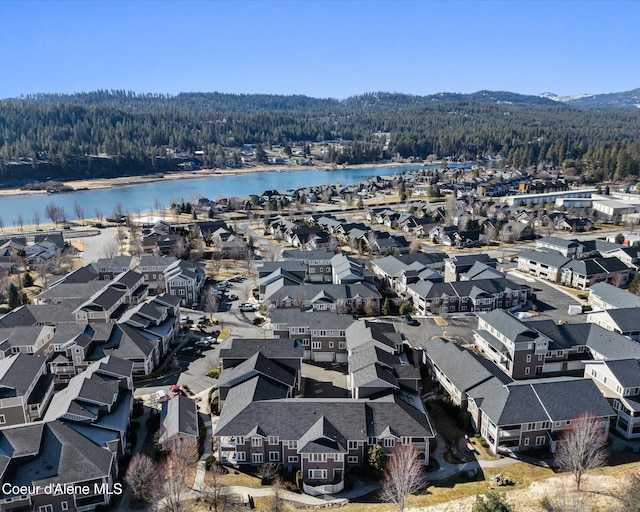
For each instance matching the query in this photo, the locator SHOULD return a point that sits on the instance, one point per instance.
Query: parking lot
(458, 328)
(552, 304)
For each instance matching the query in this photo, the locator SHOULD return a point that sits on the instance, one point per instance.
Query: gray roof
(50, 453)
(627, 371)
(462, 367)
(244, 348)
(615, 296)
(627, 319)
(559, 242)
(382, 334)
(179, 417)
(509, 326)
(257, 364)
(291, 419)
(65, 291)
(51, 314)
(312, 319)
(17, 373)
(548, 258)
(552, 400)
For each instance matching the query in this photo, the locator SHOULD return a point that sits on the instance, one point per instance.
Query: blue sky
(319, 48)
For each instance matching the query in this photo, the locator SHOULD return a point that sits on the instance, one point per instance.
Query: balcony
(317, 490)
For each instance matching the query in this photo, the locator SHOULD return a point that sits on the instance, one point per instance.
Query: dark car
(257, 320)
(409, 320)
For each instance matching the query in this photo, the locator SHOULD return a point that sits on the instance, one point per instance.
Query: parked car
(203, 343)
(408, 319)
(233, 296)
(247, 306)
(188, 350)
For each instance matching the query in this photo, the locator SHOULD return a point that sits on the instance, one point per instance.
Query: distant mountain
(627, 99)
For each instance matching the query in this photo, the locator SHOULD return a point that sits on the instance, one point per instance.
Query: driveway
(552, 303)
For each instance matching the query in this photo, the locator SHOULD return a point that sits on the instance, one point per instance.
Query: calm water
(142, 197)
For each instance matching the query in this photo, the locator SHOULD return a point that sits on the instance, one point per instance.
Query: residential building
(607, 296)
(321, 333)
(178, 422)
(25, 389)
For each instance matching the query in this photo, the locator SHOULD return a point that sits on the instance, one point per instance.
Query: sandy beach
(183, 175)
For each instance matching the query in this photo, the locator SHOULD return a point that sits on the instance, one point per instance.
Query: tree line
(71, 135)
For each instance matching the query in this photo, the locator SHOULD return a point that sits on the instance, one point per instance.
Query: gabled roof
(18, 372)
(322, 437)
(626, 319)
(627, 371)
(244, 348)
(179, 417)
(615, 296)
(257, 364)
(548, 258)
(56, 454)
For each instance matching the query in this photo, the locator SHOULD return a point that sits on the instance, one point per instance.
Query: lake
(142, 197)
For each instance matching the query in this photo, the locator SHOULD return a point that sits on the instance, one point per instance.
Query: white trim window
(274, 456)
(241, 456)
(292, 459)
(45, 508)
(389, 442)
(293, 445)
(256, 442)
(317, 474)
(352, 459)
(256, 458)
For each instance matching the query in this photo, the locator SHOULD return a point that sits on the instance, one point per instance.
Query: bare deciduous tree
(210, 301)
(403, 475)
(99, 215)
(269, 471)
(36, 219)
(582, 447)
(142, 477)
(277, 500)
(174, 476)
(79, 211)
(52, 210)
(214, 493)
(110, 249)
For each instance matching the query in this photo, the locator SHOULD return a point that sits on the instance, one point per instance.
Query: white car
(247, 306)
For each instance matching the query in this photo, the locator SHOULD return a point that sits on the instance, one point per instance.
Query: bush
(406, 309)
(214, 374)
(586, 308)
(209, 462)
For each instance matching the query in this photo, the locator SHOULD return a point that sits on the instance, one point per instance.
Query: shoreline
(102, 183)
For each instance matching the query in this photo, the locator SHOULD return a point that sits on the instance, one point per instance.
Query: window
(526, 441)
(256, 442)
(180, 291)
(342, 345)
(528, 358)
(2, 419)
(338, 457)
(539, 440)
(293, 445)
(373, 440)
(540, 357)
(389, 442)
(274, 456)
(305, 342)
(352, 445)
(318, 457)
(406, 440)
(45, 508)
(317, 474)
(331, 344)
(352, 459)
(316, 345)
(531, 426)
(241, 456)
(239, 440)
(342, 333)
(527, 370)
(546, 425)
(292, 458)
(256, 458)
(323, 333)
(64, 506)
(273, 439)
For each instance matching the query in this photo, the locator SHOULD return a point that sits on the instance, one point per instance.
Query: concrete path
(447, 470)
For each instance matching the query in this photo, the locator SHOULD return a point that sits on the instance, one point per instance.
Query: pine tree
(14, 296)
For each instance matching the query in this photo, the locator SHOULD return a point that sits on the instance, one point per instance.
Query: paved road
(98, 246)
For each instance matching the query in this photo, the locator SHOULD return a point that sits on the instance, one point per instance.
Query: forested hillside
(106, 133)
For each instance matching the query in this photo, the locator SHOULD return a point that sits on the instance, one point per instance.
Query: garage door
(323, 357)
(307, 355)
(341, 358)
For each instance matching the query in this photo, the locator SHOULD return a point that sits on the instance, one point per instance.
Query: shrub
(299, 478)
(586, 308)
(209, 462)
(406, 308)
(214, 374)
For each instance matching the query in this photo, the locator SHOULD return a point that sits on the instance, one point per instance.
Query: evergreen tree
(27, 280)
(375, 461)
(619, 239)
(14, 299)
(387, 308)
(634, 287)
